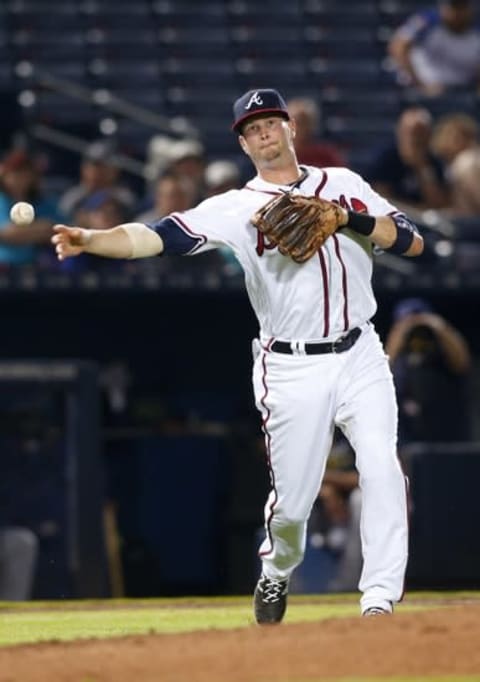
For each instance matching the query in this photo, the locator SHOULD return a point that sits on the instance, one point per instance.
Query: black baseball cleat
(270, 600)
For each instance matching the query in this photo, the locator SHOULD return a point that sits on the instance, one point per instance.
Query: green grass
(47, 621)
(38, 625)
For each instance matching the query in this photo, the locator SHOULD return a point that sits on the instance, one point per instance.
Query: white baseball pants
(301, 399)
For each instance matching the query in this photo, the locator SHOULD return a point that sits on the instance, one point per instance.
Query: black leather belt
(339, 346)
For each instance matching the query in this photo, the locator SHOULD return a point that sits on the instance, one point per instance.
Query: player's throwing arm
(131, 240)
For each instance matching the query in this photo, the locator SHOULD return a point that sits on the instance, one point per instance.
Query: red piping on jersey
(185, 227)
(344, 283)
(268, 445)
(409, 505)
(269, 343)
(322, 184)
(326, 302)
(323, 265)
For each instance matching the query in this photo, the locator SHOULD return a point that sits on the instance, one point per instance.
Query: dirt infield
(441, 641)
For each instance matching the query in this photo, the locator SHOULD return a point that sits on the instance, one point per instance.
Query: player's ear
(243, 144)
(293, 127)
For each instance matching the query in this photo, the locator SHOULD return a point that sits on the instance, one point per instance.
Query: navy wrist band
(361, 222)
(405, 236)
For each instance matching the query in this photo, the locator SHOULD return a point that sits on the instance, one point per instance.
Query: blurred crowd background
(131, 457)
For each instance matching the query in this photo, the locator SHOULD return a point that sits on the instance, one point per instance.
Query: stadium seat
(172, 14)
(281, 74)
(115, 74)
(48, 22)
(6, 78)
(345, 102)
(447, 103)
(134, 16)
(355, 73)
(152, 98)
(36, 43)
(189, 72)
(197, 101)
(329, 13)
(71, 71)
(190, 59)
(274, 8)
(121, 42)
(393, 12)
(340, 43)
(285, 15)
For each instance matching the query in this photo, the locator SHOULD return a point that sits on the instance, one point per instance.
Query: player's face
(267, 140)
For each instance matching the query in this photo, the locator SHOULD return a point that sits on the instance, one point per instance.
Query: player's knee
(376, 457)
(294, 521)
(386, 477)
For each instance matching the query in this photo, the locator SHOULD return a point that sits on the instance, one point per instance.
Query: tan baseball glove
(298, 225)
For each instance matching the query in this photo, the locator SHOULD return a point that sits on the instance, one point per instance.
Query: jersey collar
(257, 183)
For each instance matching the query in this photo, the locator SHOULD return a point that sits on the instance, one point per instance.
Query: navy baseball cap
(254, 102)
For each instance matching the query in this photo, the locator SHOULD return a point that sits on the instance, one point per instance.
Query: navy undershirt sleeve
(175, 238)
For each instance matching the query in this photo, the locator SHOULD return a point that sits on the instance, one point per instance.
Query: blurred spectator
(20, 180)
(100, 211)
(431, 362)
(18, 557)
(456, 141)
(438, 48)
(221, 176)
(188, 159)
(177, 190)
(465, 180)
(104, 210)
(98, 173)
(406, 171)
(180, 157)
(452, 134)
(171, 193)
(310, 150)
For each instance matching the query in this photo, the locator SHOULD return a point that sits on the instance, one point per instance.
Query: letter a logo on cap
(254, 99)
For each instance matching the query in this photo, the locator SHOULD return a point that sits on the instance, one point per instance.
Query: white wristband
(86, 236)
(145, 242)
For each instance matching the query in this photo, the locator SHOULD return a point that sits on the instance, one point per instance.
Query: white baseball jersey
(318, 300)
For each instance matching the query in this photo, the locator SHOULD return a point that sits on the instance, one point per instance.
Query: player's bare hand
(69, 241)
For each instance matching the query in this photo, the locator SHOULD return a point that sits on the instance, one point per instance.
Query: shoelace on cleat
(272, 590)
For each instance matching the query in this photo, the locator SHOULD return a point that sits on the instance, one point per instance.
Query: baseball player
(318, 360)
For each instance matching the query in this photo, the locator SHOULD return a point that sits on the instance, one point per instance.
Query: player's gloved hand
(299, 225)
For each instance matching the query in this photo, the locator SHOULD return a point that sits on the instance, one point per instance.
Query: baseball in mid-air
(22, 213)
